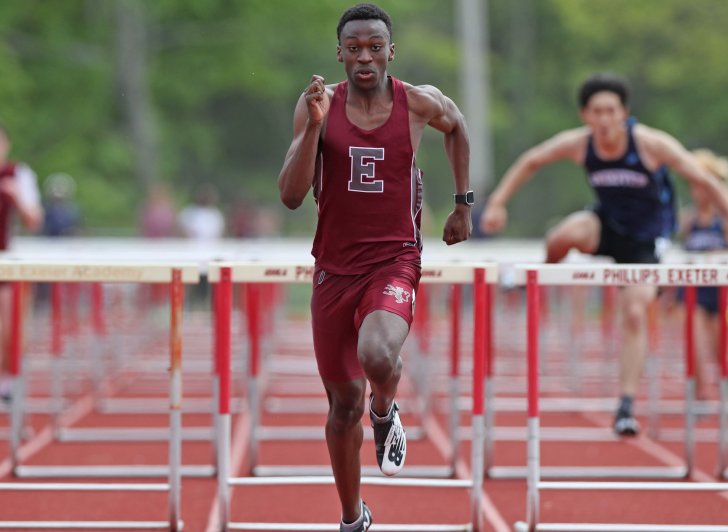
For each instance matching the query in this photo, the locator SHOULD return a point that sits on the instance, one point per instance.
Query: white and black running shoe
(366, 522)
(389, 439)
(626, 425)
(6, 390)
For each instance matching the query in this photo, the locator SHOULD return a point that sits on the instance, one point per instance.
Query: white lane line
(239, 446)
(657, 451)
(442, 442)
(45, 436)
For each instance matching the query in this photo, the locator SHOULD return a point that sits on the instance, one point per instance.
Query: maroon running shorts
(340, 303)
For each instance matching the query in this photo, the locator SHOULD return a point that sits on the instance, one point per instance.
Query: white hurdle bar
(225, 274)
(534, 276)
(175, 275)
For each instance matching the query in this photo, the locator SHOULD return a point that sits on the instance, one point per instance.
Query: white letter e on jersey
(363, 170)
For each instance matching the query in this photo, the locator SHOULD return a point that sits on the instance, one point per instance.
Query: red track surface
(505, 500)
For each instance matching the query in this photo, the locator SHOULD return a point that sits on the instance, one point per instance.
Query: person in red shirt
(354, 144)
(18, 194)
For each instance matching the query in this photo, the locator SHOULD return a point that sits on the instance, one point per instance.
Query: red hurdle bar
(253, 315)
(175, 398)
(455, 311)
(224, 350)
(723, 362)
(15, 370)
(479, 356)
(532, 296)
(97, 309)
(223, 308)
(689, 379)
(489, 414)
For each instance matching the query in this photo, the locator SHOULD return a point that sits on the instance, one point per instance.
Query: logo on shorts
(400, 294)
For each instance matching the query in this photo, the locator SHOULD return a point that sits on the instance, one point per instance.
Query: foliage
(219, 80)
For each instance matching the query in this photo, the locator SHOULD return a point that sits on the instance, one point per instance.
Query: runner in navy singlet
(703, 230)
(634, 204)
(626, 166)
(354, 143)
(18, 195)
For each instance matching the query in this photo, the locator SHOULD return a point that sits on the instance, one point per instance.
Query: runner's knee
(379, 360)
(635, 316)
(345, 415)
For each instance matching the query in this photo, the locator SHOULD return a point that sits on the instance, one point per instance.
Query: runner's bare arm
(297, 174)
(671, 152)
(440, 112)
(567, 145)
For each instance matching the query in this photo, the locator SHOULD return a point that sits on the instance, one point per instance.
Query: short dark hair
(604, 81)
(364, 12)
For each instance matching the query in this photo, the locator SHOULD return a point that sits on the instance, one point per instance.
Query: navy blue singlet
(705, 237)
(632, 200)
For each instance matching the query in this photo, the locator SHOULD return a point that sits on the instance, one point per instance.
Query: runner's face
(605, 115)
(365, 51)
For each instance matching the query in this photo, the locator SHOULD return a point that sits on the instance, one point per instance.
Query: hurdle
(58, 345)
(723, 409)
(618, 275)
(118, 405)
(132, 434)
(19, 272)
(591, 272)
(225, 274)
(253, 301)
(108, 434)
(719, 258)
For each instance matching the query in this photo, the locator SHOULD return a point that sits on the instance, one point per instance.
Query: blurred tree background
(125, 93)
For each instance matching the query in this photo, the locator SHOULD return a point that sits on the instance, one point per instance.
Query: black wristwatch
(465, 199)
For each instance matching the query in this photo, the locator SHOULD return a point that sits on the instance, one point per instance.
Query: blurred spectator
(248, 220)
(202, 220)
(62, 215)
(158, 217)
(704, 229)
(267, 222)
(19, 196)
(243, 218)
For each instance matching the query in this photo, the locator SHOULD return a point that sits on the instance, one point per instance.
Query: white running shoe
(626, 425)
(366, 522)
(389, 439)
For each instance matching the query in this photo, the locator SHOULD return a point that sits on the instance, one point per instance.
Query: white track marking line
(45, 437)
(239, 446)
(442, 442)
(657, 451)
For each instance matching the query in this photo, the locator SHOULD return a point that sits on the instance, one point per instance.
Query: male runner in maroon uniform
(355, 142)
(18, 192)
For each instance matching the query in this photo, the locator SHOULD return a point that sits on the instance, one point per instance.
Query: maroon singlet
(368, 190)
